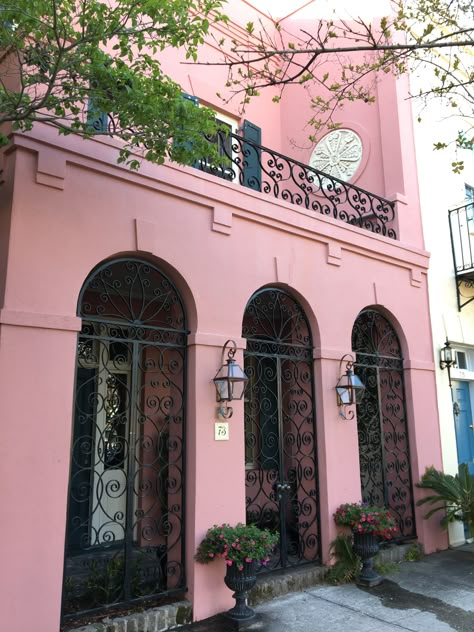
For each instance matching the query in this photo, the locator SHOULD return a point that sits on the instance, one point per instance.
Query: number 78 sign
(221, 431)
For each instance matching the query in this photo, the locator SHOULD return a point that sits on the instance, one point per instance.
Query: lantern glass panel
(238, 389)
(235, 372)
(345, 395)
(448, 355)
(358, 387)
(223, 390)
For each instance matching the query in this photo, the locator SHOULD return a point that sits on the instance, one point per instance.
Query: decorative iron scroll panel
(300, 184)
(461, 226)
(381, 420)
(280, 445)
(124, 540)
(294, 182)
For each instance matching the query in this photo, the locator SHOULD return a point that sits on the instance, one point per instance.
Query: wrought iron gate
(280, 444)
(381, 420)
(124, 540)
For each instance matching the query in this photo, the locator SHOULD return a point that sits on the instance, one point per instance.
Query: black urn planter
(241, 582)
(366, 546)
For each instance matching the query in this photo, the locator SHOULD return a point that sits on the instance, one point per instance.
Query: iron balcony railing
(262, 169)
(461, 226)
(268, 171)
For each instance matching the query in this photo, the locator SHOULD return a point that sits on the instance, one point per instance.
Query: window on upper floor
(240, 152)
(243, 158)
(225, 147)
(98, 121)
(461, 360)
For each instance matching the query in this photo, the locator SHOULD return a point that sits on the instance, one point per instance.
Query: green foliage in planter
(365, 518)
(237, 545)
(453, 495)
(347, 565)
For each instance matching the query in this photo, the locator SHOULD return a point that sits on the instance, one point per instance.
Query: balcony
(461, 226)
(261, 169)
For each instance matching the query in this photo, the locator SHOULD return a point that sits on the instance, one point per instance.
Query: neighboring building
(118, 291)
(447, 202)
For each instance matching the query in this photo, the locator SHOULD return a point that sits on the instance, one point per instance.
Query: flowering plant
(236, 545)
(364, 518)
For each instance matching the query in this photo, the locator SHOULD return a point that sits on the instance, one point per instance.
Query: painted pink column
(338, 447)
(36, 384)
(399, 158)
(425, 445)
(6, 202)
(215, 472)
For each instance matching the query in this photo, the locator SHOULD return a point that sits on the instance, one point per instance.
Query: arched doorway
(280, 434)
(384, 452)
(125, 531)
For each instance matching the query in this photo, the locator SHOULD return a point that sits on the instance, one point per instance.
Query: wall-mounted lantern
(349, 387)
(230, 380)
(447, 358)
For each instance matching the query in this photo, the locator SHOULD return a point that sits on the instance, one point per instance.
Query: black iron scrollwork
(304, 186)
(297, 183)
(381, 420)
(125, 517)
(461, 226)
(280, 443)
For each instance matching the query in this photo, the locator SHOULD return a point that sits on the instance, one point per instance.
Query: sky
(365, 9)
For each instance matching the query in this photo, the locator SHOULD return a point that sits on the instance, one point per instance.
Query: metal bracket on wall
(468, 284)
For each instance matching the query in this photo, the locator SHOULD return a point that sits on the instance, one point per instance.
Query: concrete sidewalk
(435, 594)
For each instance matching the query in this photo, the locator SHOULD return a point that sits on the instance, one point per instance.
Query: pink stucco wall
(72, 207)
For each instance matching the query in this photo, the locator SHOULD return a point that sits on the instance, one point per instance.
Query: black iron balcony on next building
(254, 166)
(461, 226)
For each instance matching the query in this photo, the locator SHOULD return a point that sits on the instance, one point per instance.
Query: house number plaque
(221, 431)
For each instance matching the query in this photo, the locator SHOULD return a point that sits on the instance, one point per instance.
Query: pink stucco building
(118, 291)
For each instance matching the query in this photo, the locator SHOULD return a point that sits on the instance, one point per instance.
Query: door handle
(281, 488)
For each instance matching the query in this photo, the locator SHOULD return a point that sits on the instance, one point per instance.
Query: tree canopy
(340, 59)
(65, 61)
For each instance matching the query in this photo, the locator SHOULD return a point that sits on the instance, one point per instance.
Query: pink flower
(211, 554)
(247, 559)
(228, 562)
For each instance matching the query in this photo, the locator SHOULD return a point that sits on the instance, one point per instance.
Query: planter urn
(241, 581)
(366, 546)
